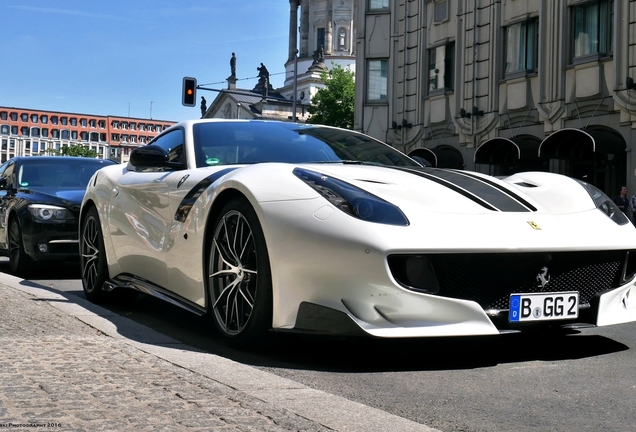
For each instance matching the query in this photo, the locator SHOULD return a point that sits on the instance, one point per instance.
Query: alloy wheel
(90, 254)
(234, 273)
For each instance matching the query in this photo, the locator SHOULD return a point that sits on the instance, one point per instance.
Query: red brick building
(29, 132)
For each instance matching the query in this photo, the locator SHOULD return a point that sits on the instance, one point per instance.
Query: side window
(174, 144)
(6, 172)
(4, 182)
(3, 168)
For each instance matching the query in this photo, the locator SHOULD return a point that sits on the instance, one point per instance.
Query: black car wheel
(93, 258)
(239, 276)
(19, 261)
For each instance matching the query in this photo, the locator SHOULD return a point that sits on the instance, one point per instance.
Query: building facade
(503, 86)
(30, 132)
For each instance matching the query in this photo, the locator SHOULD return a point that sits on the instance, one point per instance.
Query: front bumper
(60, 240)
(426, 316)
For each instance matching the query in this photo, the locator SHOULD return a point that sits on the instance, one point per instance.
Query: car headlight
(42, 212)
(605, 204)
(353, 200)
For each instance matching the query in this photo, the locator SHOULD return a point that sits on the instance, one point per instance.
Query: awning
(506, 151)
(574, 143)
(443, 156)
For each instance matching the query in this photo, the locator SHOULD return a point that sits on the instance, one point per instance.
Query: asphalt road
(585, 381)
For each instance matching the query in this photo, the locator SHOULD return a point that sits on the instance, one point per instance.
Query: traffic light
(189, 96)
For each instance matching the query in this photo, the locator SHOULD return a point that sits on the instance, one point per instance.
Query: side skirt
(146, 287)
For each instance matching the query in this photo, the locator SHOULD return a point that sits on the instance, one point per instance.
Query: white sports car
(273, 226)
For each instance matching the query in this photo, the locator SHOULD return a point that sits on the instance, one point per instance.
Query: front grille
(490, 278)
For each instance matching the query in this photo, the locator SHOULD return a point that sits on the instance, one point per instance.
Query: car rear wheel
(19, 261)
(93, 257)
(239, 276)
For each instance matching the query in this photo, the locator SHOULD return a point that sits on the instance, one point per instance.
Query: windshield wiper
(358, 162)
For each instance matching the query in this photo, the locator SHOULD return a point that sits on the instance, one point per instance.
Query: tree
(74, 150)
(334, 104)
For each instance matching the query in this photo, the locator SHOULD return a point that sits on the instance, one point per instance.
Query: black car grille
(490, 278)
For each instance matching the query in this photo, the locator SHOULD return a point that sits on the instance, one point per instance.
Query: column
(329, 30)
(304, 29)
(293, 28)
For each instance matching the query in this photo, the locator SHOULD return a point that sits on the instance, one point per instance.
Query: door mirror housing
(153, 156)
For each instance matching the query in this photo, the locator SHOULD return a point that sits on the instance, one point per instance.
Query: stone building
(501, 86)
(321, 34)
(325, 37)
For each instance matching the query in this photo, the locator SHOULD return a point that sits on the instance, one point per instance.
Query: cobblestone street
(58, 373)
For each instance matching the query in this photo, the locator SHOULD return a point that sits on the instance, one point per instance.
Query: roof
(252, 97)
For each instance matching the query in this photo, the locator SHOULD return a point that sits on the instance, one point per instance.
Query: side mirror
(152, 156)
(3, 183)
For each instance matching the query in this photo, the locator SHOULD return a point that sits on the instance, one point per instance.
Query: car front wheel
(239, 276)
(19, 261)
(93, 258)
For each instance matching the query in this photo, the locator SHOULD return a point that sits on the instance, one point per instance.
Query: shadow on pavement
(343, 355)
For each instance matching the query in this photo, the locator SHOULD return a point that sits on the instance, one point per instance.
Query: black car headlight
(605, 204)
(42, 212)
(353, 200)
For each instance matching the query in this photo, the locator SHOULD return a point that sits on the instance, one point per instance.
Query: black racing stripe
(188, 201)
(500, 187)
(427, 175)
(482, 193)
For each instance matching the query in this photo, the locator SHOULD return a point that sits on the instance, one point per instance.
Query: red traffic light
(189, 93)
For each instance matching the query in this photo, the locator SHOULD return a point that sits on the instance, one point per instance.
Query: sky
(129, 57)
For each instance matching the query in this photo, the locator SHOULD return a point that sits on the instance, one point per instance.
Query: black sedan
(40, 198)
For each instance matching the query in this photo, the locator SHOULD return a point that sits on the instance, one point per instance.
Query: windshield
(226, 143)
(58, 173)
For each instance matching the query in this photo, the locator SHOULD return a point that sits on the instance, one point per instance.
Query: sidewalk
(64, 365)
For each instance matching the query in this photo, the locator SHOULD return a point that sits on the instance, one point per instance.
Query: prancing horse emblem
(543, 278)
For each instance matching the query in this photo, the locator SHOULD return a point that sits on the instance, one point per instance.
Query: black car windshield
(58, 173)
(246, 142)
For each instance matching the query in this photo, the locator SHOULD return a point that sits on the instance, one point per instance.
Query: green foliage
(334, 104)
(74, 150)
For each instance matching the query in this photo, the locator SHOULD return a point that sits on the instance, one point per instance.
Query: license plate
(543, 306)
